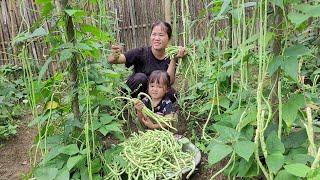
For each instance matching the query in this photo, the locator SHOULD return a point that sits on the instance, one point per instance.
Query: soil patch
(14, 152)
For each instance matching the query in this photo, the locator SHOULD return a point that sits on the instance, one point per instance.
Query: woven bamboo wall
(13, 20)
(134, 18)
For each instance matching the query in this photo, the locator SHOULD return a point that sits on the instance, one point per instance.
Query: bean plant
(70, 145)
(235, 88)
(12, 100)
(249, 92)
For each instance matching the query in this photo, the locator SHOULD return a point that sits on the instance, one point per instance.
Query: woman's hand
(116, 57)
(181, 52)
(116, 49)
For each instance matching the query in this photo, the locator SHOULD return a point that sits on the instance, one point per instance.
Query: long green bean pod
(150, 155)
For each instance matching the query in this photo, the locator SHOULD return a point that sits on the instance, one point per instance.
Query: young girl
(158, 86)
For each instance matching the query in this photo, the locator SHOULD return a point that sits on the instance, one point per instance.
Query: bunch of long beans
(163, 121)
(172, 51)
(151, 155)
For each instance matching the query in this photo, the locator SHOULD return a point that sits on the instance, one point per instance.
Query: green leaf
(96, 124)
(249, 118)
(311, 10)
(109, 154)
(72, 12)
(96, 32)
(275, 64)
(83, 46)
(46, 6)
(226, 133)
(96, 177)
(45, 173)
(121, 161)
(109, 128)
(290, 66)
(290, 109)
(103, 88)
(284, 175)
(70, 149)
(20, 38)
(297, 18)
(106, 118)
(51, 155)
(297, 101)
(38, 32)
(316, 71)
(295, 139)
(218, 152)
(274, 144)
(275, 162)
(44, 68)
(84, 173)
(47, 9)
(278, 3)
(297, 169)
(244, 149)
(39, 119)
(298, 158)
(42, 1)
(95, 166)
(67, 45)
(224, 102)
(112, 74)
(225, 6)
(288, 114)
(296, 50)
(72, 161)
(244, 167)
(27, 36)
(66, 54)
(63, 174)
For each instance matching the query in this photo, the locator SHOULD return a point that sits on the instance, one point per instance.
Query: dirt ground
(14, 152)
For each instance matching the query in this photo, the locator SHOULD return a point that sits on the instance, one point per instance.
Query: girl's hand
(138, 105)
(181, 53)
(161, 114)
(147, 122)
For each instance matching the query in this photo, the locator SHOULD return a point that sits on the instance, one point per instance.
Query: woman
(147, 59)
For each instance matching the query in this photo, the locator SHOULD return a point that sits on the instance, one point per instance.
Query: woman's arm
(172, 70)
(116, 57)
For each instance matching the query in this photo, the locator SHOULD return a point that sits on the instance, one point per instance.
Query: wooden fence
(134, 18)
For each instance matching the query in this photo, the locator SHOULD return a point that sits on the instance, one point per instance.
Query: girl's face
(159, 38)
(157, 90)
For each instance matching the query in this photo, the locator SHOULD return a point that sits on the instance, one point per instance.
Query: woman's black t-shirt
(143, 61)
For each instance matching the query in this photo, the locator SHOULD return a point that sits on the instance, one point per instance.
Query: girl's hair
(160, 77)
(166, 26)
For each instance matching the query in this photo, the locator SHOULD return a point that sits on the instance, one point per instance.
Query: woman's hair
(160, 77)
(166, 26)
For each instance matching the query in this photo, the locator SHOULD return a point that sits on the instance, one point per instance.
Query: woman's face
(159, 38)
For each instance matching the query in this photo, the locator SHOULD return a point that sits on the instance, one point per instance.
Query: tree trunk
(277, 49)
(73, 63)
